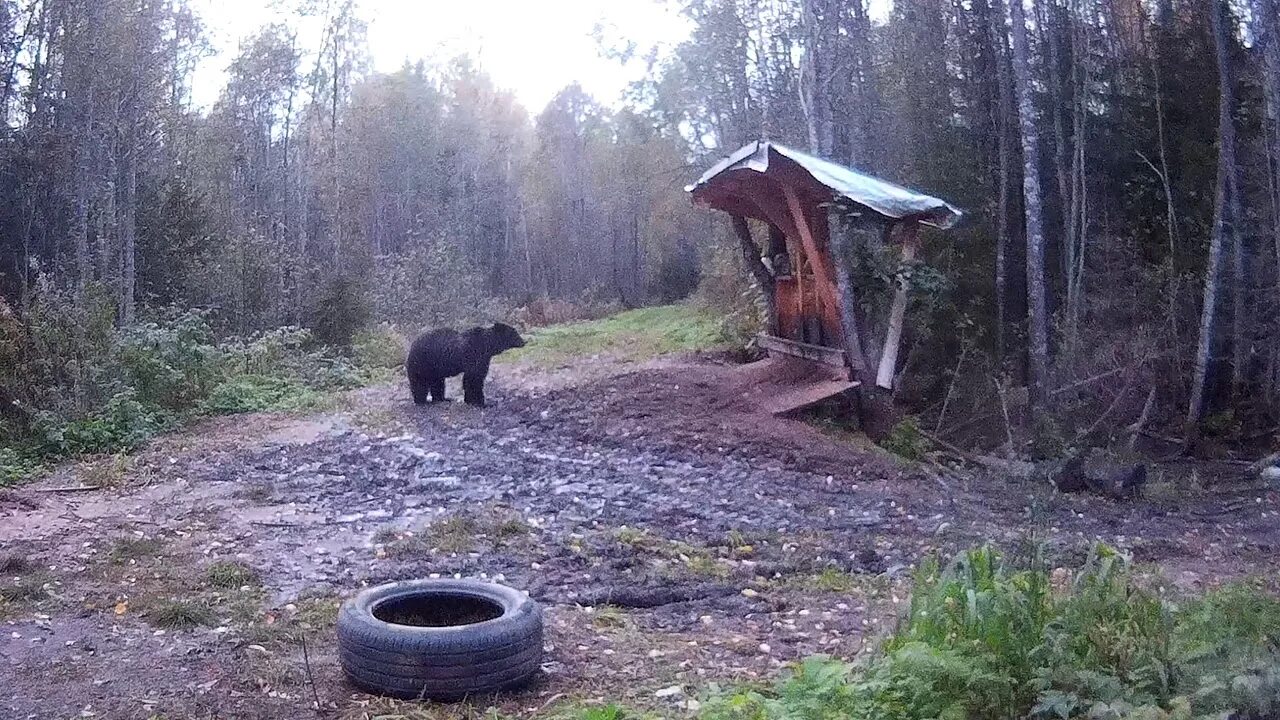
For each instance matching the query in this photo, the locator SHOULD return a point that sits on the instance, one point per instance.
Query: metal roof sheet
(883, 197)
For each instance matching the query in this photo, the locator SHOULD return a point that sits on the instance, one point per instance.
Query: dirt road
(675, 536)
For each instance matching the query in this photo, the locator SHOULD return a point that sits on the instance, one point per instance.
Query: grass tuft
(128, 549)
(229, 575)
(175, 614)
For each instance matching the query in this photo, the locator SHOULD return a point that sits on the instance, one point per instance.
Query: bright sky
(533, 47)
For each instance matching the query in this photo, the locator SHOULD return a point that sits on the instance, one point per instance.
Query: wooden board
(833, 357)
(786, 384)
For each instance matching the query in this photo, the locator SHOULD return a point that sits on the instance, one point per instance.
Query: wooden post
(751, 256)
(898, 311)
(821, 271)
(848, 297)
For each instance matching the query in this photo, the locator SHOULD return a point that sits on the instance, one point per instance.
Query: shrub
(380, 347)
(170, 363)
(338, 312)
(982, 639)
(906, 440)
(16, 467)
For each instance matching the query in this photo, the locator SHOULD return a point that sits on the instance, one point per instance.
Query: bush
(431, 286)
(906, 440)
(380, 347)
(339, 312)
(982, 639)
(16, 467)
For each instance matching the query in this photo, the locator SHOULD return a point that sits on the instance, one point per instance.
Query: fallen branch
(1136, 428)
(67, 488)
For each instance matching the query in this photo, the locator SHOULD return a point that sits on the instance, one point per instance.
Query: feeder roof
(885, 198)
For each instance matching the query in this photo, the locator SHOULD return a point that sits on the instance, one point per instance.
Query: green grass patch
(229, 575)
(26, 588)
(134, 549)
(632, 335)
(175, 614)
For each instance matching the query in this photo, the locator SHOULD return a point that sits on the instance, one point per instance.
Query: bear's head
(502, 337)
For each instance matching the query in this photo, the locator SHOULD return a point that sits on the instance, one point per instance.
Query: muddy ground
(675, 536)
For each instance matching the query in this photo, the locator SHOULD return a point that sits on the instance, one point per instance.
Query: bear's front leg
(419, 388)
(473, 388)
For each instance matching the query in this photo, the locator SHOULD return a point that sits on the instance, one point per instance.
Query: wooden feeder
(812, 304)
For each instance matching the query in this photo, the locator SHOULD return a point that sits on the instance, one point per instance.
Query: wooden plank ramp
(784, 384)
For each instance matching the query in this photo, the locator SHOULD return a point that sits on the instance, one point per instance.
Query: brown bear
(444, 353)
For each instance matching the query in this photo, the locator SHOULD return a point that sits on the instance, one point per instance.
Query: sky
(532, 47)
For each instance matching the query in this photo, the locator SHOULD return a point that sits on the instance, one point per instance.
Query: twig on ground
(306, 662)
(67, 488)
(1136, 428)
(1004, 409)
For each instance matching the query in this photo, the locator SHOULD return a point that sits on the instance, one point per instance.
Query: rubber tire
(441, 663)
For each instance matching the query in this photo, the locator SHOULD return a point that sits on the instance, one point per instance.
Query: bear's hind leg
(437, 390)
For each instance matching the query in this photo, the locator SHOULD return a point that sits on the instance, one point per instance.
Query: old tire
(439, 639)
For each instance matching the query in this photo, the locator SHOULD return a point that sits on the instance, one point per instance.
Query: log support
(897, 311)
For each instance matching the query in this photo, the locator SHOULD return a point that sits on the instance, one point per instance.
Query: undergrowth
(81, 386)
(986, 638)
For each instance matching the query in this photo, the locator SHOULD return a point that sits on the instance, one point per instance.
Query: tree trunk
(751, 257)
(1036, 312)
(1226, 158)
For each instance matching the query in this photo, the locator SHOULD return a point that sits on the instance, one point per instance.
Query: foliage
(338, 312)
(906, 440)
(381, 347)
(984, 639)
(107, 390)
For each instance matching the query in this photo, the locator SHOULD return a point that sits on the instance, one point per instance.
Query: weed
(906, 440)
(511, 527)
(386, 535)
(14, 564)
(260, 493)
(835, 580)
(609, 616)
(110, 472)
(634, 537)
(134, 549)
(26, 588)
(175, 614)
(228, 574)
(706, 566)
(454, 534)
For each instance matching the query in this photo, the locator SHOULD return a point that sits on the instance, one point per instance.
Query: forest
(1115, 277)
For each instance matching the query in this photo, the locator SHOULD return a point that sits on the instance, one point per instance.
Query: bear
(446, 352)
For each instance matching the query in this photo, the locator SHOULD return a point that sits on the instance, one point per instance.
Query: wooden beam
(847, 295)
(898, 311)
(751, 256)
(819, 261)
(815, 353)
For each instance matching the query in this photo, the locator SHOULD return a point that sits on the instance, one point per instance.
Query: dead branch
(1004, 409)
(1136, 428)
(67, 488)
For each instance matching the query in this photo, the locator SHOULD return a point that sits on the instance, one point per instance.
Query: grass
(14, 564)
(454, 534)
(133, 549)
(26, 588)
(632, 335)
(229, 575)
(609, 616)
(834, 580)
(178, 614)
